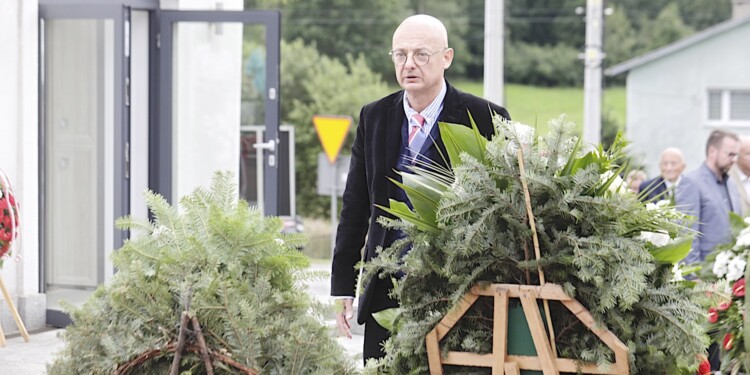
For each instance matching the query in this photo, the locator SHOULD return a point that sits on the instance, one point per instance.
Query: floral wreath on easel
(9, 218)
(9, 221)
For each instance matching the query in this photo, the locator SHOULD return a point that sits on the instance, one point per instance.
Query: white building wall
(667, 98)
(19, 154)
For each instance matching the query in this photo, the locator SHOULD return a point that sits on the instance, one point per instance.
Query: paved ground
(22, 358)
(29, 358)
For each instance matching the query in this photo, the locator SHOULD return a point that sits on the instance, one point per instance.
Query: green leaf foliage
(590, 237)
(224, 263)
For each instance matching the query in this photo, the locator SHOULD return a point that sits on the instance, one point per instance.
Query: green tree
(620, 38)
(311, 84)
(339, 28)
(700, 14)
(666, 28)
(546, 22)
(537, 65)
(474, 37)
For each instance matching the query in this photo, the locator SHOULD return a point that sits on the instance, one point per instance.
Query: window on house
(714, 105)
(729, 106)
(740, 107)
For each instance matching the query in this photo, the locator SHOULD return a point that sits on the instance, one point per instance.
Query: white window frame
(726, 109)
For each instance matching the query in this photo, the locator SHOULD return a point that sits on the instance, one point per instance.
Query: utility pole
(494, 45)
(592, 78)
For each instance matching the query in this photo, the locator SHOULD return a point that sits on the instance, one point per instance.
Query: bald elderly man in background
(671, 166)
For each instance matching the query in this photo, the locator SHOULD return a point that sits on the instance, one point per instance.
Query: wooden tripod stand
(14, 312)
(546, 359)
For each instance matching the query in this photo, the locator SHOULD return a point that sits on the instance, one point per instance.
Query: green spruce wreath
(223, 263)
(470, 226)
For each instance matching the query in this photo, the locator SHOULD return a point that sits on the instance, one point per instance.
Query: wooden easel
(499, 360)
(14, 312)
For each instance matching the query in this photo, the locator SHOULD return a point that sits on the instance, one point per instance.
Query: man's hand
(344, 313)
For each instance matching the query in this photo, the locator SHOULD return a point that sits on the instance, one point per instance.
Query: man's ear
(448, 58)
(711, 151)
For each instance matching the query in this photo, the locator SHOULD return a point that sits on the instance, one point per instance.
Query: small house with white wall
(678, 94)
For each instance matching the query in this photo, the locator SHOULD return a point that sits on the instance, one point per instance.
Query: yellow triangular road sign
(332, 131)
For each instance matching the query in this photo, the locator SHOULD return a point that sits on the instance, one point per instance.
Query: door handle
(270, 145)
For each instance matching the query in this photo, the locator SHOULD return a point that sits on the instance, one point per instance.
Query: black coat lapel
(394, 119)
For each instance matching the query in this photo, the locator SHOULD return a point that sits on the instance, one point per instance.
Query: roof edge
(675, 46)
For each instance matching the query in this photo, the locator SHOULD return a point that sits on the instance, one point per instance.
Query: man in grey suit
(706, 194)
(740, 175)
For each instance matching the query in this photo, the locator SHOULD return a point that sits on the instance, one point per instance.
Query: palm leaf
(459, 139)
(423, 194)
(672, 252)
(403, 212)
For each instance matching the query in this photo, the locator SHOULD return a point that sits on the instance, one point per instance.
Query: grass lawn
(535, 106)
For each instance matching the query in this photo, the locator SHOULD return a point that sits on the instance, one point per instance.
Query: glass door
(83, 131)
(219, 71)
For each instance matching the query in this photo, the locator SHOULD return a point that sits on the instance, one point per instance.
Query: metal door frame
(120, 15)
(160, 137)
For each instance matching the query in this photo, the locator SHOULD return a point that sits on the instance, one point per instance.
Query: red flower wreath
(9, 221)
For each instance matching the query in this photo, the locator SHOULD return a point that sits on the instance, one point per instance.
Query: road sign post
(332, 131)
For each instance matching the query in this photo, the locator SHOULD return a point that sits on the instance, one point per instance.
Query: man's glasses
(421, 57)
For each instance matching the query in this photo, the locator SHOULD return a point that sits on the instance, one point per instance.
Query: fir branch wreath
(216, 261)
(471, 226)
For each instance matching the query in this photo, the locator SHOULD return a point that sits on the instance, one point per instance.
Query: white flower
(279, 241)
(721, 262)
(677, 273)
(645, 236)
(617, 185)
(743, 239)
(659, 239)
(524, 132)
(736, 269)
(663, 203)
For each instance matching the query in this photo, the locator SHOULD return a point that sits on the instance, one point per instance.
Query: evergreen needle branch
(141, 253)
(231, 322)
(219, 339)
(685, 330)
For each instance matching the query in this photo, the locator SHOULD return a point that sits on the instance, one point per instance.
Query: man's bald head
(427, 23)
(671, 164)
(423, 76)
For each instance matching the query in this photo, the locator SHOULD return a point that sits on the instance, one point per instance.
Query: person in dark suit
(671, 165)
(392, 133)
